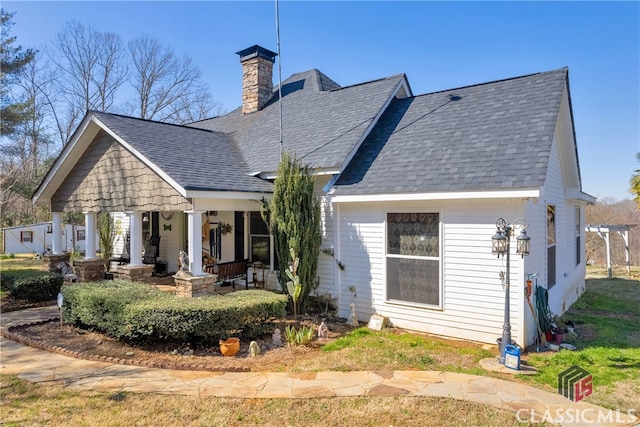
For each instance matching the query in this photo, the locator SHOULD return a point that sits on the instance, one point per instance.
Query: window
(80, 235)
(26, 236)
(259, 241)
(413, 258)
(551, 245)
(578, 234)
(260, 249)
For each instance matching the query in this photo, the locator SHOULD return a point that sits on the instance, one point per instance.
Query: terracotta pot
(230, 347)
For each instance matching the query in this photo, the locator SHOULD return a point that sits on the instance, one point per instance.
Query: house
(411, 188)
(37, 238)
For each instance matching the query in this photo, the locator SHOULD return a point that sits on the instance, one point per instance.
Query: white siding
(41, 239)
(170, 240)
(121, 222)
(535, 263)
(473, 297)
(569, 276)
(327, 266)
(326, 263)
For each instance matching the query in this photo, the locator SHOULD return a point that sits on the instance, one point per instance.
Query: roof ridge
(147, 120)
(565, 68)
(394, 76)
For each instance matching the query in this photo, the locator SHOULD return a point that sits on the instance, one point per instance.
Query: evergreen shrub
(31, 285)
(134, 311)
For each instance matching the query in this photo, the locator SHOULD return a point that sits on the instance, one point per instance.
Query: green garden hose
(545, 317)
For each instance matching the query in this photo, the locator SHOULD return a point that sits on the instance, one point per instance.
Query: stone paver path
(526, 402)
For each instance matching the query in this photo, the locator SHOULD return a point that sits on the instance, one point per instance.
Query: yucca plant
(302, 336)
(293, 285)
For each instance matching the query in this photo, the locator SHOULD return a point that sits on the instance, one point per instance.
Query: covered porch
(146, 246)
(160, 203)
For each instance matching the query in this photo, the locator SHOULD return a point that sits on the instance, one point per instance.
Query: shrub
(31, 285)
(101, 305)
(248, 313)
(133, 311)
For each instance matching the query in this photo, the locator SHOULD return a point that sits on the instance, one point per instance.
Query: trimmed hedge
(102, 305)
(128, 310)
(31, 285)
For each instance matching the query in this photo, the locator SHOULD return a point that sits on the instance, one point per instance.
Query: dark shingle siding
(496, 136)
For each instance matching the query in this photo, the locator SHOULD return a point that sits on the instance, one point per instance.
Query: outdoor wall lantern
(500, 247)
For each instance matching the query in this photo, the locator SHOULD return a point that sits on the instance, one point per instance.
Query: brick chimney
(257, 77)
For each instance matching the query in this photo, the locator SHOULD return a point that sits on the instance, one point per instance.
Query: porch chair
(151, 252)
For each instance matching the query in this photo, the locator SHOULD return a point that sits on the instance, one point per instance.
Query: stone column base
(135, 273)
(89, 270)
(188, 286)
(50, 262)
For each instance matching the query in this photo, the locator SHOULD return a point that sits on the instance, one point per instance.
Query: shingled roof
(323, 123)
(490, 136)
(196, 159)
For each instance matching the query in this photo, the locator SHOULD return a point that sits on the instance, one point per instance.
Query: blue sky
(438, 45)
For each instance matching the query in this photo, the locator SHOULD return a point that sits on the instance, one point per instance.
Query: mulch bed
(72, 341)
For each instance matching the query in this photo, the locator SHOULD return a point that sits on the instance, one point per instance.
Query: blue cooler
(512, 357)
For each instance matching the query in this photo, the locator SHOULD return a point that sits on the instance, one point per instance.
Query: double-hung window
(413, 258)
(551, 245)
(260, 243)
(578, 233)
(26, 236)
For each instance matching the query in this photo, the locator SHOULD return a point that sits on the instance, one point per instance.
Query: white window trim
(395, 302)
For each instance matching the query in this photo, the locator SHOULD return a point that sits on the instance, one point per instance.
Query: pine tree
(12, 61)
(294, 220)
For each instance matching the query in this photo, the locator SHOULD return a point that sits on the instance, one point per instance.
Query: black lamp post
(500, 247)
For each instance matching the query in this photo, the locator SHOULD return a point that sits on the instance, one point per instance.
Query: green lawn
(607, 319)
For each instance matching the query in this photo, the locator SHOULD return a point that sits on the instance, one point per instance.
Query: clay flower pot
(230, 347)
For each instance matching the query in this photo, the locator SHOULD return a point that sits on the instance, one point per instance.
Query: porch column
(56, 243)
(90, 235)
(135, 238)
(247, 230)
(194, 250)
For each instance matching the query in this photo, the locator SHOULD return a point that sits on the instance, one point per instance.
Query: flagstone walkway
(527, 403)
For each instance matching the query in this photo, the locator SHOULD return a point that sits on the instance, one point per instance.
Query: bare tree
(28, 149)
(168, 88)
(23, 138)
(93, 67)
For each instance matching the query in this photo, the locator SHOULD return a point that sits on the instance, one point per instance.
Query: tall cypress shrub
(294, 221)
